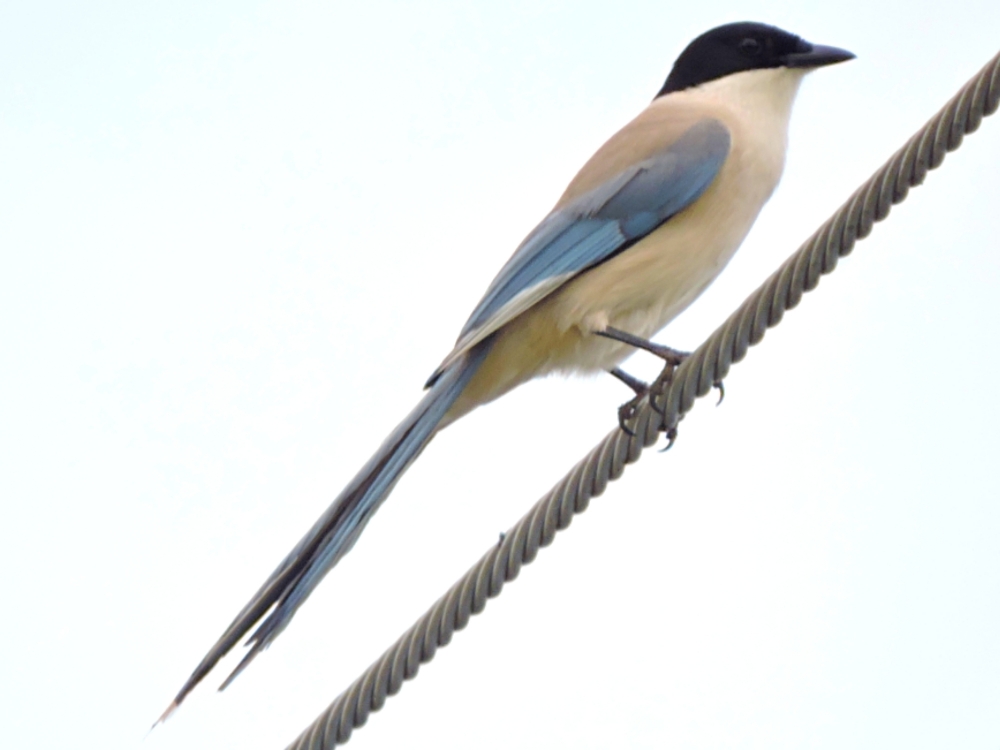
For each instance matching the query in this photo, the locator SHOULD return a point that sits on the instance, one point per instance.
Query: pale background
(235, 238)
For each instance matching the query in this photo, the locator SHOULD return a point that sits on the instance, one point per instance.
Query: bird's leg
(641, 387)
(672, 357)
(627, 410)
(668, 355)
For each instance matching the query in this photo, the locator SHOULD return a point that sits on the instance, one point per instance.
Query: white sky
(236, 238)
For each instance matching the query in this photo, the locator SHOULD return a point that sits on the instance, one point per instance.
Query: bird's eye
(750, 46)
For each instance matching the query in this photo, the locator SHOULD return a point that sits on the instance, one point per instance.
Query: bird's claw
(628, 410)
(671, 439)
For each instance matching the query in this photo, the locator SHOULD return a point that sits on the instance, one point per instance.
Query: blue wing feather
(604, 221)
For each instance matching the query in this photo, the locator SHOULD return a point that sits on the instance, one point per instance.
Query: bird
(648, 222)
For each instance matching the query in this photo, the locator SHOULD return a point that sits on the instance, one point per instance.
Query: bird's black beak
(816, 55)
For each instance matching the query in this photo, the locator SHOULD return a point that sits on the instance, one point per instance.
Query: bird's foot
(628, 410)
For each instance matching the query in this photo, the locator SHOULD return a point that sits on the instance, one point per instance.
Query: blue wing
(598, 225)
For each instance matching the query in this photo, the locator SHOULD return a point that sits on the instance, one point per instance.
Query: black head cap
(737, 47)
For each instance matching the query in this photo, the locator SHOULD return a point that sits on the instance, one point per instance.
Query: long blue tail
(336, 531)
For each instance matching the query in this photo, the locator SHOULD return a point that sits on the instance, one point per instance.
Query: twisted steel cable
(672, 396)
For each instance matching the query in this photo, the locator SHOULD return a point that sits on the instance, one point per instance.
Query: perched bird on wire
(645, 226)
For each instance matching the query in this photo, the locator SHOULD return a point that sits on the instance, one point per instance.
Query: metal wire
(673, 395)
